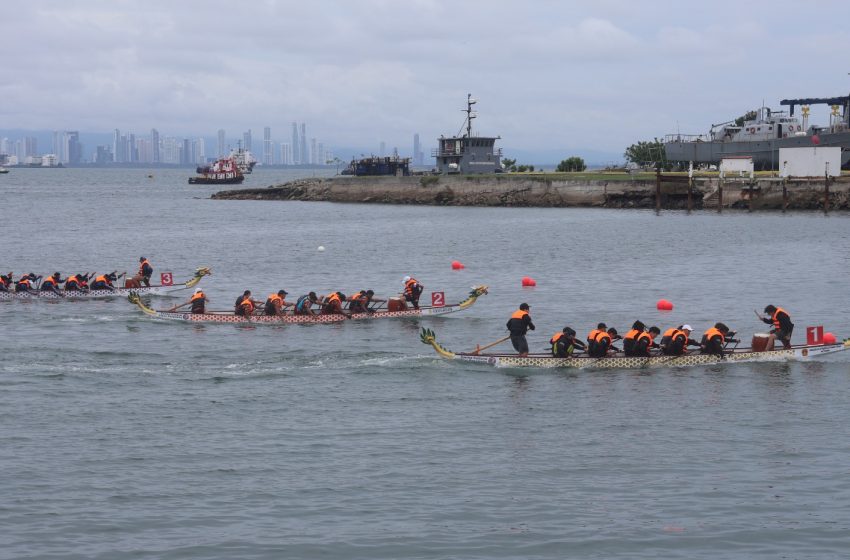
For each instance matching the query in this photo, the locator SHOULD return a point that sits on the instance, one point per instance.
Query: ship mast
(469, 114)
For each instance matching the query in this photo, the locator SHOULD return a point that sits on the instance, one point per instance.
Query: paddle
(478, 348)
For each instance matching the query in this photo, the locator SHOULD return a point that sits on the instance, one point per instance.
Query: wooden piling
(784, 195)
(826, 194)
(658, 189)
(690, 190)
(720, 196)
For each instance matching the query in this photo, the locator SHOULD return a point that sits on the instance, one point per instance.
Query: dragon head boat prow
(427, 337)
(133, 297)
(477, 291)
(200, 272)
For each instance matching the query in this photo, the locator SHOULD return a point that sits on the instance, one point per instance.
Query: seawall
(556, 190)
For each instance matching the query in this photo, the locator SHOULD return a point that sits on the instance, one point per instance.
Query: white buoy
(321, 248)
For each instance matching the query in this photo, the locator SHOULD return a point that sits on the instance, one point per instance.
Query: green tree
(644, 153)
(573, 163)
(748, 116)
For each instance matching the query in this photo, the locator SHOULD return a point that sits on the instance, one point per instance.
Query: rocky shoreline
(554, 191)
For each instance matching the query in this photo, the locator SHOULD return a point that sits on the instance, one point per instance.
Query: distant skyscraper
(154, 145)
(116, 146)
(72, 148)
(200, 151)
(30, 146)
(267, 146)
(322, 159)
(296, 152)
(59, 146)
(314, 155)
(186, 152)
(222, 145)
(132, 155)
(383, 151)
(305, 156)
(246, 140)
(417, 157)
(286, 154)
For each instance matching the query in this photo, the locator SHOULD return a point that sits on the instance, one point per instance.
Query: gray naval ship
(762, 136)
(465, 153)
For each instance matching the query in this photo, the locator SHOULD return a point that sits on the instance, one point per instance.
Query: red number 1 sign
(814, 335)
(166, 279)
(438, 299)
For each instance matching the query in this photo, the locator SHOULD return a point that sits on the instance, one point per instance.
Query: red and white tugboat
(223, 172)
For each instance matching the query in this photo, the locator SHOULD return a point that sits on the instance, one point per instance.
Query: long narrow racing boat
(229, 317)
(802, 352)
(157, 290)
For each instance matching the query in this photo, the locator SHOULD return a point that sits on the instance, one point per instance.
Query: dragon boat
(230, 317)
(800, 352)
(155, 290)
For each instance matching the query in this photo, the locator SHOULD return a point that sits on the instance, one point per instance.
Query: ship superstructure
(762, 135)
(467, 153)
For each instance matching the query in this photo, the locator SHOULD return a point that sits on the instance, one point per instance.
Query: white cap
(687, 328)
(199, 291)
(406, 279)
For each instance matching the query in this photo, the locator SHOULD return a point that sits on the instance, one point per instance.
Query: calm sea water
(126, 437)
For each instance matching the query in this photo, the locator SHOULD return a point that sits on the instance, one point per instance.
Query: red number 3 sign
(165, 279)
(438, 299)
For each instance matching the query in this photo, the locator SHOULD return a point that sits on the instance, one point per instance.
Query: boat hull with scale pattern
(802, 352)
(227, 317)
(100, 294)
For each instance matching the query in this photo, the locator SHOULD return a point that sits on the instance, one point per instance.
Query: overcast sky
(594, 75)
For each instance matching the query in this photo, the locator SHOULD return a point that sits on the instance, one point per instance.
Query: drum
(396, 304)
(760, 342)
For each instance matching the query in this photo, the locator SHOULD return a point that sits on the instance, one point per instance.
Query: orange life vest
(711, 333)
(24, 282)
(198, 296)
(674, 333)
(275, 299)
(2, 281)
(72, 280)
(602, 336)
(556, 337)
(248, 305)
(408, 286)
(142, 267)
(592, 336)
(103, 278)
(632, 335)
(775, 317)
(644, 336)
(48, 283)
(519, 314)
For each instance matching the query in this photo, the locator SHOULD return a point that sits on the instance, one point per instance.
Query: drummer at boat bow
(276, 303)
(714, 340)
(51, 283)
(518, 325)
(104, 282)
(676, 340)
(25, 283)
(412, 291)
(782, 326)
(145, 271)
(564, 343)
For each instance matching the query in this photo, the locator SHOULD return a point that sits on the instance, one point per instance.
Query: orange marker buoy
(528, 282)
(664, 305)
(829, 338)
(457, 265)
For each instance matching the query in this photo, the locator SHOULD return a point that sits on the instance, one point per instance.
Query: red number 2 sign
(438, 299)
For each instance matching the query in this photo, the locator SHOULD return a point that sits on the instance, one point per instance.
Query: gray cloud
(548, 74)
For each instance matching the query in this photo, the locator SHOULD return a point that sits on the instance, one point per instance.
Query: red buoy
(815, 139)
(528, 282)
(829, 338)
(457, 265)
(664, 305)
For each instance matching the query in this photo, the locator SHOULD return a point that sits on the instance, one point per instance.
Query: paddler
(332, 304)
(72, 283)
(51, 283)
(25, 283)
(645, 341)
(145, 271)
(600, 341)
(518, 325)
(782, 326)
(412, 291)
(104, 282)
(198, 301)
(304, 304)
(676, 340)
(276, 303)
(360, 302)
(5, 282)
(564, 343)
(714, 340)
(631, 338)
(245, 306)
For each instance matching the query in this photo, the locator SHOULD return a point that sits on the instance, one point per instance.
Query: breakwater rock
(559, 190)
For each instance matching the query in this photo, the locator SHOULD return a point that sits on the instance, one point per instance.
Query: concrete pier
(560, 190)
